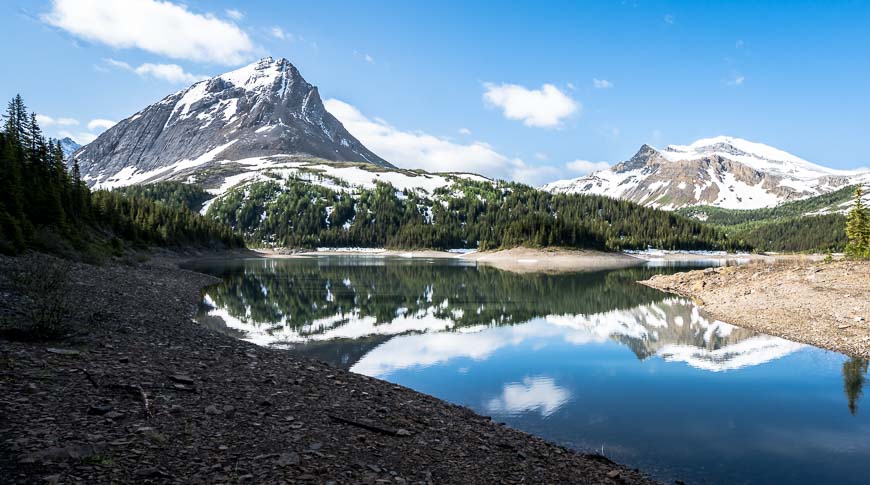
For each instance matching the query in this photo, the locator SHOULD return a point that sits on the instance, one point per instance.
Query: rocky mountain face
(723, 171)
(69, 146)
(260, 110)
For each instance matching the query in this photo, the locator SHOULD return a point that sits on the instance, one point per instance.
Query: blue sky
(536, 90)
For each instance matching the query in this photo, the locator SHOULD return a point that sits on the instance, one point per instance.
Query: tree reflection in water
(854, 377)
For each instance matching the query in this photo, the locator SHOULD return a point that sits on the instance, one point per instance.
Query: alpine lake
(592, 361)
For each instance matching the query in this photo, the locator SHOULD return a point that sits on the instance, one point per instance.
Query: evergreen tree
(39, 196)
(858, 228)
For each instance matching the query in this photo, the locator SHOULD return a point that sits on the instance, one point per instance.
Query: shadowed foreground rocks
(138, 393)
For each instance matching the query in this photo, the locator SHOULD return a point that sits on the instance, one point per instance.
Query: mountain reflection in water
(435, 312)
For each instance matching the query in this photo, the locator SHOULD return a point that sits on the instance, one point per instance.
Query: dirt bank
(821, 304)
(141, 394)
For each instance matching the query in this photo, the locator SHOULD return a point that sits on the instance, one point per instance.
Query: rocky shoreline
(138, 393)
(825, 304)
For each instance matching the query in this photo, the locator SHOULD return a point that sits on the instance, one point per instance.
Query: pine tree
(858, 228)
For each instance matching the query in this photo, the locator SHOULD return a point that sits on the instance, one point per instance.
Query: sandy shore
(516, 259)
(136, 392)
(526, 260)
(822, 304)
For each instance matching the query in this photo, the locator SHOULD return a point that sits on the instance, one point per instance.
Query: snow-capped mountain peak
(261, 74)
(263, 109)
(756, 155)
(723, 171)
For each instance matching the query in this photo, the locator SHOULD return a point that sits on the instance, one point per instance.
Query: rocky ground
(138, 393)
(822, 304)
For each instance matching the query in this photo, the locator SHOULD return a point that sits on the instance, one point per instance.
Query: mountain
(260, 110)
(69, 146)
(723, 172)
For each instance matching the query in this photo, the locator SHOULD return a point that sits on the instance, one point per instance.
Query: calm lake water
(593, 361)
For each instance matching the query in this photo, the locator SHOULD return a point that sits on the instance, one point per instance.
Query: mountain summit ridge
(722, 171)
(262, 109)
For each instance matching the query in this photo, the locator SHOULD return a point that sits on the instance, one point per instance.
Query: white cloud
(464, 131)
(46, 121)
(431, 153)
(235, 14)
(583, 167)
(369, 59)
(601, 83)
(544, 107)
(541, 156)
(168, 72)
(159, 27)
(100, 124)
(172, 73)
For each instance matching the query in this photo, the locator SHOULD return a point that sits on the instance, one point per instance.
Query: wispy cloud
(172, 73)
(158, 27)
(464, 131)
(670, 19)
(601, 83)
(46, 121)
(279, 33)
(736, 80)
(414, 149)
(364, 56)
(544, 107)
(235, 14)
(583, 167)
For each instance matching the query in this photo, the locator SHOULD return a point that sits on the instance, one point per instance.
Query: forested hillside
(468, 214)
(807, 225)
(45, 206)
(176, 194)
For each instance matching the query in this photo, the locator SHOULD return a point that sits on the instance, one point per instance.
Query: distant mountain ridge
(265, 108)
(722, 171)
(69, 146)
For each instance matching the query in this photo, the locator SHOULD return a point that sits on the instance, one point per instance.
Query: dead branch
(370, 427)
(90, 377)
